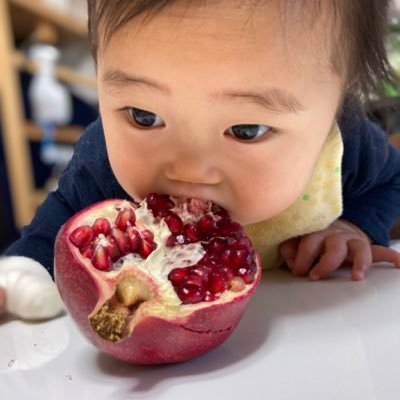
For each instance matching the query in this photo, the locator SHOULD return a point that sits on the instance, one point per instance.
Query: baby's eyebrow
(273, 99)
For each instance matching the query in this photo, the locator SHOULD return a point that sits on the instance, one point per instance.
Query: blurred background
(48, 96)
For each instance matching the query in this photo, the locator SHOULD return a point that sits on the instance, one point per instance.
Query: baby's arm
(371, 203)
(30, 291)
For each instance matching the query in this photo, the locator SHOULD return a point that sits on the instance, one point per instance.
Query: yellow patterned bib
(317, 207)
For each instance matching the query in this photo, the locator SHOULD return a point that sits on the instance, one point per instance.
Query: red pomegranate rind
(78, 290)
(169, 342)
(154, 339)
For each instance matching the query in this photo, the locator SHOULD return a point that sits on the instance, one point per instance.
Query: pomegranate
(158, 282)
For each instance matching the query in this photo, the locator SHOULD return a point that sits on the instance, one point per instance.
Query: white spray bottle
(50, 102)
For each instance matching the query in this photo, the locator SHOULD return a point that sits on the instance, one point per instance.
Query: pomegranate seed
(101, 226)
(201, 271)
(190, 294)
(191, 232)
(174, 223)
(177, 275)
(206, 224)
(237, 284)
(81, 236)
(156, 203)
(171, 241)
(226, 272)
(147, 235)
(169, 204)
(134, 237)
(210, 296)
(101, 259)
(208, 261)
(239, 244)
(87, 251)
(163, 213)
(217, 246)
(235, 227)
(123, 241)
(195, 280)
(246, 272)
(146, 248)
(113, 248)
(152, 200)
(217, 283)
(227, 258)
(125, 218)
(238, 257)
(227, 227)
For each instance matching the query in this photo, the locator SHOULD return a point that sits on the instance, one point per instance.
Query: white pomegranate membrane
(161, 281)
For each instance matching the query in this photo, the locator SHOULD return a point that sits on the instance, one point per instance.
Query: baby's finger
(361, 254)
(332, 259)
(2, 300)
(381, 253)
(310, 247)
(288, 251)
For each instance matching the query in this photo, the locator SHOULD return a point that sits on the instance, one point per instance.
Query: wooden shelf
(394, 139)
(67, 135)
(64, 74)
(18, 20)
(37, 197)
(26, 13)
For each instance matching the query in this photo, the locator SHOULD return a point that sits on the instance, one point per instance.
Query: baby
(250, 104)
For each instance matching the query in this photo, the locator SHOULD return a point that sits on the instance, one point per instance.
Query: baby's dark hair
(360, 27)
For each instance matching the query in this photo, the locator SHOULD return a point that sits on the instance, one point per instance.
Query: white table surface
(333, 339)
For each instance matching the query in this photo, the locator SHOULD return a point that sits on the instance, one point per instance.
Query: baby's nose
(194, 168)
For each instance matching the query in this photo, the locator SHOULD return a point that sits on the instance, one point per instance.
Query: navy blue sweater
(370, 177)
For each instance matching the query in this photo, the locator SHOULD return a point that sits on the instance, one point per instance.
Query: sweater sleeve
(87, 179)
(371, 180)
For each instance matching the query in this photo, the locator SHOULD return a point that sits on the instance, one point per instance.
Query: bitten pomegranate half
(158, 282)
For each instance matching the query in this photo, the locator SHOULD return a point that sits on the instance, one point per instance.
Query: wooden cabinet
(18, 19)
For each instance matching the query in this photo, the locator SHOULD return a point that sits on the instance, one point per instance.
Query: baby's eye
(248, 132)
(145, 119)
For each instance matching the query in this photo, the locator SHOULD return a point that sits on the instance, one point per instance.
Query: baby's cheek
(126, 166)
(260, 205)
(265, 197)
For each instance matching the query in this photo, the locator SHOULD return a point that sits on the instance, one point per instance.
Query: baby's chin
(247, 216)
(246, 219)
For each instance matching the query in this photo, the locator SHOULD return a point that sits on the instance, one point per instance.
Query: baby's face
(217, 103)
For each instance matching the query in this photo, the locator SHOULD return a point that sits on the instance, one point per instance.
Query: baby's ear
(31, 294)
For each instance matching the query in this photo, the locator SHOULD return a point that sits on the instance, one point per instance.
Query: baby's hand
(27, 290)
(323, 252)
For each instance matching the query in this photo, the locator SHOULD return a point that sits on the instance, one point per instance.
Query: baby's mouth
(193, 191)
(194, 194)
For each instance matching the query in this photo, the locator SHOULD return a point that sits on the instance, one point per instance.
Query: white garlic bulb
(30, 292)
